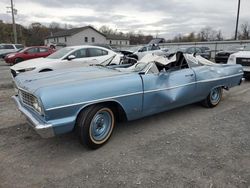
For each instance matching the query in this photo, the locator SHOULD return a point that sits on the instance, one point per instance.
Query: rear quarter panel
(209, 77)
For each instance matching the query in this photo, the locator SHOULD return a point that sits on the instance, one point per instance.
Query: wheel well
(119, 112)
(45, 70)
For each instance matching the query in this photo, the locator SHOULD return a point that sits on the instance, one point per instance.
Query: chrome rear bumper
(43, 129)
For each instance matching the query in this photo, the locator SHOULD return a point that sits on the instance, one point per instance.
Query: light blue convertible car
(91, 100)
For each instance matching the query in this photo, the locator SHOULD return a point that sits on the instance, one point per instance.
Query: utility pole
(13, 12)
(237, 21)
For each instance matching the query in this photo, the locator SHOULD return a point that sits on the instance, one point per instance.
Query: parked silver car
(9, 48)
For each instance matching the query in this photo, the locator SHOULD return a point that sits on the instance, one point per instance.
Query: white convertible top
(165, 61)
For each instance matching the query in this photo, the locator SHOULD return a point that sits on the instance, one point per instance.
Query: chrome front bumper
(43, 129)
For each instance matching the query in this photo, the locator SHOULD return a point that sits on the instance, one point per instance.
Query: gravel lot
(187, 147)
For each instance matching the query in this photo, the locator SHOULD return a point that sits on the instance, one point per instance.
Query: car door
(98, 55)
(81, 59)
(31, 53)
(167, 90)
(43, 52)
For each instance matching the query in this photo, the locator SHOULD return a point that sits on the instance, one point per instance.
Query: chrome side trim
(94, 101)
(43, 129)
(214, 79)
(137, 93)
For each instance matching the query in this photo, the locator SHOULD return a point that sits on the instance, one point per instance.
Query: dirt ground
(187, 147)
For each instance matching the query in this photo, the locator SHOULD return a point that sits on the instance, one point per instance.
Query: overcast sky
(168, 18)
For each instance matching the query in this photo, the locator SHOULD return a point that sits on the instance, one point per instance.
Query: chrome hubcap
(215, 95)
(101, 125)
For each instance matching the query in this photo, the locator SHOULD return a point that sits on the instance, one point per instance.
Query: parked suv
(9, 48)
(223, 55)
(28, 53)
(243, 58)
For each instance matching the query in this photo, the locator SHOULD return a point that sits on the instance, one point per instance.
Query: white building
(84, 35)
(117, 40)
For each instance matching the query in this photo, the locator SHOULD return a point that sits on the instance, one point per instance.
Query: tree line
(36, 32)
(209, 34)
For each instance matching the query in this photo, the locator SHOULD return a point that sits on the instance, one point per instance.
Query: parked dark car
(28, 53)
(202, 51)
(222, 56)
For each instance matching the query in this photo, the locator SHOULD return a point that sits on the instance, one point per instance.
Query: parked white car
(242, 58)
(68, 57)
(9, 48)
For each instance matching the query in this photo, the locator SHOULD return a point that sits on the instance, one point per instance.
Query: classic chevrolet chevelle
(90, 100)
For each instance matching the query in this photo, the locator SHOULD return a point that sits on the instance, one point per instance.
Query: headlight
(27, 69)
(10, 56)
(37, 106)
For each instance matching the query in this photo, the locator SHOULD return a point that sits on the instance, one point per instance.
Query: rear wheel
(95, 126)
(18, 60)
(214, 98)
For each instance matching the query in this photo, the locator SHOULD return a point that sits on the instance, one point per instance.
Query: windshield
(60, 53)
(22, 50)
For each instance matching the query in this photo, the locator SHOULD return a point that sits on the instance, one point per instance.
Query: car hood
(32, 82)
(33, 63)
(225, 52)
(244, 54)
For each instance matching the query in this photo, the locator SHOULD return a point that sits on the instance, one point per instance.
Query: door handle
(187, 75)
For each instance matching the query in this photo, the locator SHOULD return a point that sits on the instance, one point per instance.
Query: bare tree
(219, 35)
(244, 34)
(106, 30)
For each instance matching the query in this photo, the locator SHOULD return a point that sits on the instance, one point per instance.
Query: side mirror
(140, 50)
(70, 57)
(26, 52)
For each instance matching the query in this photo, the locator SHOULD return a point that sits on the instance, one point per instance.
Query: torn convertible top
(190, 58)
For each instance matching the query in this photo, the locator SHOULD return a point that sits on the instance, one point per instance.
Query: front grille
(13, 73)
(243, 61)
(27, 98)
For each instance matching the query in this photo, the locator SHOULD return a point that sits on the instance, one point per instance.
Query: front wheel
(214, 98)
(18, 60)
(95, 126)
